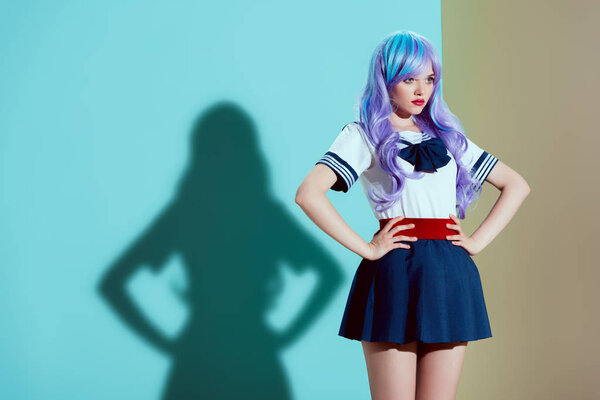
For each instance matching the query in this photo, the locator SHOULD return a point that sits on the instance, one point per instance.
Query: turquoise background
(152, 151)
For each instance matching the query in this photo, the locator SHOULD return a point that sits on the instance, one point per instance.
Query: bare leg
(439, 366)
(392, 369)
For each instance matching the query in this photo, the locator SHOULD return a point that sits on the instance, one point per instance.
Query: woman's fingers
(391, 222)
(397, 241)
(401, 228)
(405, 238)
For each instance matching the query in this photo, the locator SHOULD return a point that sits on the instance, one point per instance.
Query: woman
(416, 299)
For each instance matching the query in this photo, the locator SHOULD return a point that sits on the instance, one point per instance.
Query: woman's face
(411, 95)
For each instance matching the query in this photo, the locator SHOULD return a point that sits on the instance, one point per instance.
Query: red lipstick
(419, 102)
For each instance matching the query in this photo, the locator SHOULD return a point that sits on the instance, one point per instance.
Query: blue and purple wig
(402, 55)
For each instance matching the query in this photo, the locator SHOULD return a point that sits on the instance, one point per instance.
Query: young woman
(416, 299)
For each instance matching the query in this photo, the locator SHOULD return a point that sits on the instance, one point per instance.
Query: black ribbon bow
(425, 156)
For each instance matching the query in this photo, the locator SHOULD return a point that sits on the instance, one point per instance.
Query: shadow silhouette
(231, 234)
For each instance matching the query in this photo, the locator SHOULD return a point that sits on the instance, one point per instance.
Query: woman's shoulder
(355, 124)
(357, 128)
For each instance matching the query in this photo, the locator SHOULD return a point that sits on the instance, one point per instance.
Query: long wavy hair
(402, 55)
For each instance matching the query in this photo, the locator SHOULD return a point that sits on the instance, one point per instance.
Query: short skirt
(430, 292)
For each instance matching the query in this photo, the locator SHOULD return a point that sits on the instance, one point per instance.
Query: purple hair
(402, 55)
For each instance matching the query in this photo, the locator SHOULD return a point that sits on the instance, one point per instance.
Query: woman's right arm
(311, 197)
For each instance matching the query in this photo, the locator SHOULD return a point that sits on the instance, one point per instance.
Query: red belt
(425, 228)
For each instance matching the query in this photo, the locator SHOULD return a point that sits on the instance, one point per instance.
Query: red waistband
(425, 228)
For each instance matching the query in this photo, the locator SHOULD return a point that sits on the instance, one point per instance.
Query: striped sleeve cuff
(346, 174)
(483, 167)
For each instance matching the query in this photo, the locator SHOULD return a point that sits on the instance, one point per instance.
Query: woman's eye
(409, 80)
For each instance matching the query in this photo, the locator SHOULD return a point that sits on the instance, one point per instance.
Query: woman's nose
(419, 88)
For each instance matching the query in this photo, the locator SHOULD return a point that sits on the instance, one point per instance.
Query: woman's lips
(418, 102)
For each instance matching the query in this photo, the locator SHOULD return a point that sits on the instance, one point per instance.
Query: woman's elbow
(302, 194)
(299, 197)
(527, 188)
(522, 185)
(305, 194)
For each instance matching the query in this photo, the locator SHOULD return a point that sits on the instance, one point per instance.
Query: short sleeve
(479, 161)
(348, 157)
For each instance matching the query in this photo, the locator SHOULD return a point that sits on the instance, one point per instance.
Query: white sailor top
(352, 157)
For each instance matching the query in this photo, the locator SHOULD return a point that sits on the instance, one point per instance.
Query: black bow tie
(425, 156)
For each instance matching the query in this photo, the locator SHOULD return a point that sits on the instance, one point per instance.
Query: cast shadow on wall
(230, 234)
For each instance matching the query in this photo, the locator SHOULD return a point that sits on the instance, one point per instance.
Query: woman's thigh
(439, 366)
(392, 369)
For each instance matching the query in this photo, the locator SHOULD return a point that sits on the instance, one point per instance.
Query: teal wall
(150, 153)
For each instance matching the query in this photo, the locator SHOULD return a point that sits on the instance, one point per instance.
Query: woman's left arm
(513, 190)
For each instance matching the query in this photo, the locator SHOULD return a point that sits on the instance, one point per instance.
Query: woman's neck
(405, 125)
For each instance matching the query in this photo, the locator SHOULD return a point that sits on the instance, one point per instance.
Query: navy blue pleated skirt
(430, 292)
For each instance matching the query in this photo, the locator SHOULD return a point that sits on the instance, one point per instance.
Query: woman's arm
(514, 189)
(311, 197)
